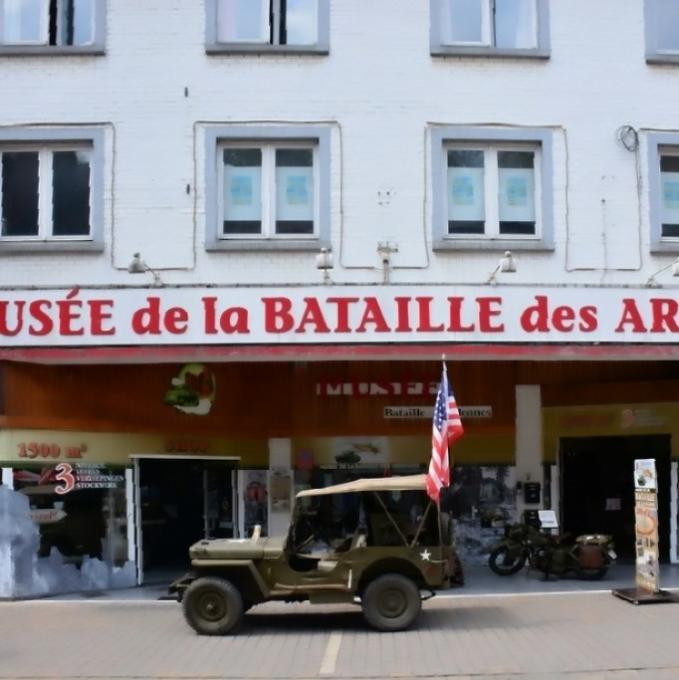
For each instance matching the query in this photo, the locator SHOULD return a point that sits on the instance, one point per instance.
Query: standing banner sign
(646, 544)
(646, 525)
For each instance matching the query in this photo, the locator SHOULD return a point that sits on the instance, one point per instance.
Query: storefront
(188, 414)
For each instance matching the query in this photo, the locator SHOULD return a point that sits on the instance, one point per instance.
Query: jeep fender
(394, 565)
(242, 573)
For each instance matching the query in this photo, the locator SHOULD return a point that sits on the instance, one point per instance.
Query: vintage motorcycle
(588, 556)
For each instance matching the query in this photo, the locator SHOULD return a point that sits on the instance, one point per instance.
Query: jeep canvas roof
(406, 483)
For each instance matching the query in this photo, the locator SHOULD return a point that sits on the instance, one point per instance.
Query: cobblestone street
(579, 635)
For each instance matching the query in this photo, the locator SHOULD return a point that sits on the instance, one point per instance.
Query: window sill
(489, 52)
(664, 247)
(660, 58)
(50, 51)
(266, 245)
(249, 48)
(442, 245)
(51, 246)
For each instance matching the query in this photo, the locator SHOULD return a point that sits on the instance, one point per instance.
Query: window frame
(214, 46)
(491, 184)
(440, 49)
(97, 47)
(272, 137)
(269, 193)
(654, 55)
(46, 141)
(659, 143)
(444, 138)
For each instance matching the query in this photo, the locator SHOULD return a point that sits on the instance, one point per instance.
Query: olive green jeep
(380, 543)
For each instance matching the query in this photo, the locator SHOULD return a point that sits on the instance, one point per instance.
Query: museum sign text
(343, 314)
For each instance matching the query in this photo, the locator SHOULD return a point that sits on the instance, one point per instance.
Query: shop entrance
(180, 501)
(597, 487)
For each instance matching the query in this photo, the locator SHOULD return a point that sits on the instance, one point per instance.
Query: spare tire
(212, 606)
(391, 602)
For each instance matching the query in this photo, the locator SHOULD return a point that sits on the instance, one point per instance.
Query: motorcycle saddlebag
(590, 556)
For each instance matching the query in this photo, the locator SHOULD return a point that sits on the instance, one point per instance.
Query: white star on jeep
(425, 555)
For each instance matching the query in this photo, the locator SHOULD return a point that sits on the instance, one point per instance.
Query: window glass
(242, 191)
(515, 24)
(669, 210)
(466, 197)
(83, 22)
(20, 193)
(71, 193)
(516, 188)
(85, 523)
(294, 191)
(300, 23)
(25, 21)
(463, 21)
(667, 17)
(243, 21)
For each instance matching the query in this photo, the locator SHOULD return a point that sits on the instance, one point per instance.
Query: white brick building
(228, 147)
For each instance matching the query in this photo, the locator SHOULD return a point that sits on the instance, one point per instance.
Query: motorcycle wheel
(504, 564)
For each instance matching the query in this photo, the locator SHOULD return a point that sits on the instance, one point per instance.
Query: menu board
(646, 525)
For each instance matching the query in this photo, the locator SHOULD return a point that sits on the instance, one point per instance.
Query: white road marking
(540, 593)
(331, 652)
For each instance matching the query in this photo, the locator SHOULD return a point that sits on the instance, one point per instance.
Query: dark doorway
(182, 501)
(597, 487)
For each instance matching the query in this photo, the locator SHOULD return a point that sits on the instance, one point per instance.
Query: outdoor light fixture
(385, 251)
(652, 283)
(324, 262)
(506, 264)
(138, 266)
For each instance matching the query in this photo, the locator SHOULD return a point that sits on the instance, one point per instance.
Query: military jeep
(380, 543)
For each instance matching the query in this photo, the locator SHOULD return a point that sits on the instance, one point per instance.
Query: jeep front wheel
(391, 602)
(212, 606)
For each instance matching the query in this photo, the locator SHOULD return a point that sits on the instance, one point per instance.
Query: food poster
(646, 525)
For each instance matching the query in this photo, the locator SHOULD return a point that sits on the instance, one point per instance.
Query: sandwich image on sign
(193, 390)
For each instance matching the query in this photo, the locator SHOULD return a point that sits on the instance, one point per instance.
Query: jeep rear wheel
(391, 602)
(212, 606)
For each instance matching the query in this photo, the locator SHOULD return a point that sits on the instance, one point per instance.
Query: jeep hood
(238, 549)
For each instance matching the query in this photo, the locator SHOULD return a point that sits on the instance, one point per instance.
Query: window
(663, 150)
(477, 177)
(490, 27)
(56, 25)
(662, 30)
(669, 193)
(491, 188)
(267, 185)
(268, 190)
(267, 25)
(50, 189)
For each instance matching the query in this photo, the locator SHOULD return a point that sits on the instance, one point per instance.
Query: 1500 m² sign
(35, 450)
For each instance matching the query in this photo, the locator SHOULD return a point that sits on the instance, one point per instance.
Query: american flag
(446, 428)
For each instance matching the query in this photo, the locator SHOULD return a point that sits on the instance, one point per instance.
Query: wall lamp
(506, 264)
(325, 262)
(138, 266)
(652, 283)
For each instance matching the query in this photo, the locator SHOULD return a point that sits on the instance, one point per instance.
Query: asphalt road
(572, 635)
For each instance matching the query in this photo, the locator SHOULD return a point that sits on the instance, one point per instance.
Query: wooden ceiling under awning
(278, 399)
